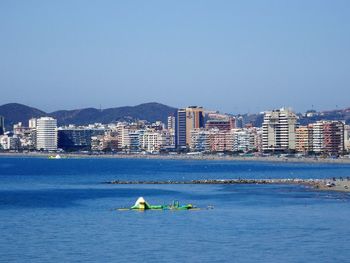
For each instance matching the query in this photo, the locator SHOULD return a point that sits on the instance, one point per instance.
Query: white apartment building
(171, 123)
(200, 140)
(123, 136)
(243, 140)
(279, 130)
(46, 134)
(32, 123)
(150, 141)
(317, 137)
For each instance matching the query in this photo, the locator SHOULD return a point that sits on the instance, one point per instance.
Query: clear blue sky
(234, 56)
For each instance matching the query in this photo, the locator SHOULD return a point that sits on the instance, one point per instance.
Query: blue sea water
(61, 211)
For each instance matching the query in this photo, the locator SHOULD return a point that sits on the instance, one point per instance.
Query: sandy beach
(340, 185)
(205, 157)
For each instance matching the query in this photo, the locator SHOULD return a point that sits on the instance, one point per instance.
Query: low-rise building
(77, 138)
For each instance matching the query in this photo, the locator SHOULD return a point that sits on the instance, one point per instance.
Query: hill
(342, 115)
(14, 113)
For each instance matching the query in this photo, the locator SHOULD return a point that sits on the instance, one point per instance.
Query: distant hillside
(14, 112)
(342, 115)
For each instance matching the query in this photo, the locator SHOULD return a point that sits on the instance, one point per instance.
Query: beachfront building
(317, 137)
(279, 130)
(200, 140)
(220, 140)
(166, 140)
(123, 130)
(333, 138)
(303, 139)
(73, 138)
(235, 140)
(244, 140)
(225, 124)
(25, 137)
(46, 134)
(150, 141)
(258, 135)
(134, 140)
(188, 119)
(9, 141)
(328, 137)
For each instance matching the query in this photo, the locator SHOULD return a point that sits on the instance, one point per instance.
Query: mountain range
(15, 112)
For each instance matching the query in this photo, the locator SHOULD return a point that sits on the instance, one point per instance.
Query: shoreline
(183, 157)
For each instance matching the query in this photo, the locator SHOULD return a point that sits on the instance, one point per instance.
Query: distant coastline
(182, 157)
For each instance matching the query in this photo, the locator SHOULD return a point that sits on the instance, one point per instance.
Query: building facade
(226, 124)
(303, 139)
(73, 139)
(333, 138)
(188, 119)
(171, 123)
(46, 134)
(279, 130)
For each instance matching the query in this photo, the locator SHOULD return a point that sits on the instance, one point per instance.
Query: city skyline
(187, 132)
(235, 57)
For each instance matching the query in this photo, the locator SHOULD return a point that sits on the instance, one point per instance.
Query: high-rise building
(180, 135)
(46, 134)
(188, 119)
(150, 141)
(171, 123)
(317, 137)
(134, 139)
(32, 123)
(200, 140)
(279, 130)
(220, 141)
(2, 125)
(303, 138)
(333, 138)
(244, 139)
(328, 137)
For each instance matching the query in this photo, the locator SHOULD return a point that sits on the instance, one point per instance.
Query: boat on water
(142, 205)
(55, 156)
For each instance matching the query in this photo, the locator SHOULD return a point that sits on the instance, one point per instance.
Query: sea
(61, 210)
